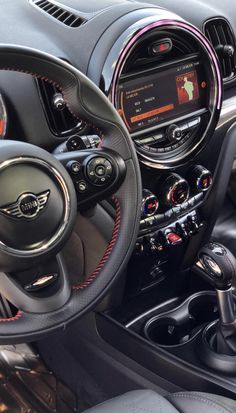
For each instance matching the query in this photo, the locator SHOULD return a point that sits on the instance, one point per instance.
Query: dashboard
(170, 71)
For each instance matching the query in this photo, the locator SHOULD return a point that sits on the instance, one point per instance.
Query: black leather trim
(89, 103)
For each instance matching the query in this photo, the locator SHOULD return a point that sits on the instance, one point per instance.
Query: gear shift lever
(218, 266)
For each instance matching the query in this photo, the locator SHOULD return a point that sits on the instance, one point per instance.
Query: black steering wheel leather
(88, 103)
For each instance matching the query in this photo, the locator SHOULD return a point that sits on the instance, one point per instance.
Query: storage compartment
(181, 324)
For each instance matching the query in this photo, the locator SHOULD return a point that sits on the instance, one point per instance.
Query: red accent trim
(117, 222)
(52, 82)
(2, 125)
(107, 253)
(15, 318)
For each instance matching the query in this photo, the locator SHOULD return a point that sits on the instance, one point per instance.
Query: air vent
(59, 13)
(60, 120)
(220, 34)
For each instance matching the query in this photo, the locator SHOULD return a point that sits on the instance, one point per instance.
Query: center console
(164, 80)
(169, 219)
(163, 77)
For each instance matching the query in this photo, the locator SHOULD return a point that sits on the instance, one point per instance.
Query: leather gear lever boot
(219, 267)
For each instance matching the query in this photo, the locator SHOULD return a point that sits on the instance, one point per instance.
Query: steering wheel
(40, 197)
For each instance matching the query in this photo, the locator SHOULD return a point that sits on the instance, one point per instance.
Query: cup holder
(180, 325)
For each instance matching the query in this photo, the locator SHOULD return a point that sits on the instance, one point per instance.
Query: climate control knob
(201, 179)
(150, 204)
(175, 190)
(174, 133)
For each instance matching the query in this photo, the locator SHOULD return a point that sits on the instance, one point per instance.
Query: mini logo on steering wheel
(27, 206)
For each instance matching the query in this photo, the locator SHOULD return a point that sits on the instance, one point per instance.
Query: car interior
(118, 206)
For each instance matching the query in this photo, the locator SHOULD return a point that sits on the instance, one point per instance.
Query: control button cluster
(170, 138)
(176, 197)
(99, 171)
(161, 219)
(96, 174)
(170, 236)
(91, 174)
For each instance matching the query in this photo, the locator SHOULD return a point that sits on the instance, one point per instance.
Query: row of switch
(173, 133)
(170, 215)
(170, 236)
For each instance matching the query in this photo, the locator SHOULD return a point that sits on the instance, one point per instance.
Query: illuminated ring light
(198, 35)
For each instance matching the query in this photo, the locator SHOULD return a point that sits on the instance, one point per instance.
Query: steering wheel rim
(88, 103)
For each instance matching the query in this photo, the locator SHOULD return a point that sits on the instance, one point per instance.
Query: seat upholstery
(147, 401)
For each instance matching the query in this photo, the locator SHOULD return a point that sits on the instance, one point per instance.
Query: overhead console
(166, 85)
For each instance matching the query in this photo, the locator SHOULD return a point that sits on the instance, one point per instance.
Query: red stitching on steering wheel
(107, 253)
(110, 246)
(52, 82)
(15, 318)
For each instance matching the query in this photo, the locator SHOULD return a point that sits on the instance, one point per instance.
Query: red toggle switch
(173, 238)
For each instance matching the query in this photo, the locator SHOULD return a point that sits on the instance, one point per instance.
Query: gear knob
(218, 264)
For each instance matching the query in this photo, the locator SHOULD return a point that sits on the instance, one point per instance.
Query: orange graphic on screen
(151, 113)
(187, 87)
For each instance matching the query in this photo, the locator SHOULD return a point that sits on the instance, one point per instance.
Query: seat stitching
(142, 409)
(218, 407)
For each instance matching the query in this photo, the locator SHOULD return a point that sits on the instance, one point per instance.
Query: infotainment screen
(152, 98)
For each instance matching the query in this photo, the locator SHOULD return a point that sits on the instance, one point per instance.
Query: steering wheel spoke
(37, 290)
(96, 174)
(41, 196)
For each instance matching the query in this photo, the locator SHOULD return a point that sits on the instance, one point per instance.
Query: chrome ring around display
(166, 23)
(167, 20)
(67, 206)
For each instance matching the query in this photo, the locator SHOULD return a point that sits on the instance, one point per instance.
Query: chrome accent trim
(14, 210)
(204, 172)
(67, 206)
(228, 112)
(112, 69)
(4, 116)
(173, 188)
(226, 305)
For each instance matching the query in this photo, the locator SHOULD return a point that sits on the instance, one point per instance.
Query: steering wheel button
(75, 167)
(108, 165)
(99, 161)
(100, 170)
(81, 186)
